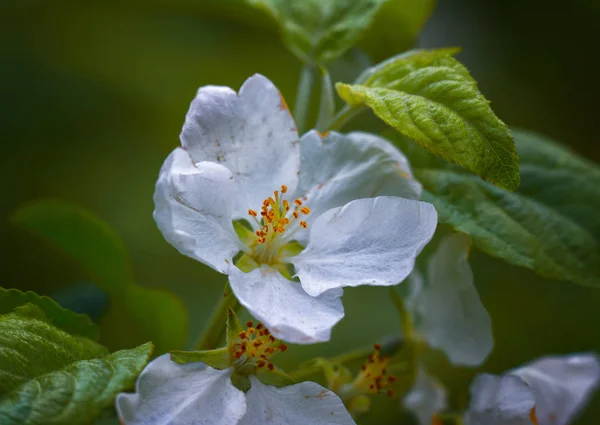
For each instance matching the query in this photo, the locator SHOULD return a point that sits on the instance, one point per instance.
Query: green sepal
(275, 377)
(234, 327)
(244, 232)
(217, 359)
(290, 249)
(246, 263)
(240, 381)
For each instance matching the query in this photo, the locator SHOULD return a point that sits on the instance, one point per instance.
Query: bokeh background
(94, 93)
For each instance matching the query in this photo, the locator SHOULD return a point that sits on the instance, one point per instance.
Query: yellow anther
(276, 216)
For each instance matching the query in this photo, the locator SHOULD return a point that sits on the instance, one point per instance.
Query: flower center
(373, 377)
(279, 221)
(254, 349)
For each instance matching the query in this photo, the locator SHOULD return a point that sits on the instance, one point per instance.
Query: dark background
(94, 93)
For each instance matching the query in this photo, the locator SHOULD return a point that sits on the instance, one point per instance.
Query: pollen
(373, 377)
(255, 347)
(277, 217)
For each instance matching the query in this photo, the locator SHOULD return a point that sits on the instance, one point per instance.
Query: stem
(345, 115)
(217, 323)
(327, 105)
(303, 97)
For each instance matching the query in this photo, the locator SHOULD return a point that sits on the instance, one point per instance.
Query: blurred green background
(94, 94)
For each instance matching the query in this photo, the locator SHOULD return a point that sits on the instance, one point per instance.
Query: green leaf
(137, 314)
(396, 27)
(550, 225)
(320, 31)
(30, 345)
(72, 323)
(218, 359)
(428, 96)
(74, 394)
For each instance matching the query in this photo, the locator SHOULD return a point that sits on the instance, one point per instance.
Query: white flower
(446, 308)
(352, 210)
(549, 391)
(196, 394)
(426, 398)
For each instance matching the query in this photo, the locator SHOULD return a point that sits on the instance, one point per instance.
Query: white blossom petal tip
(372, 241)
(499, 400)
(562, 385)
(285, 308)
(191, 394)
(251, 133)
(548, 391)
(306, 403)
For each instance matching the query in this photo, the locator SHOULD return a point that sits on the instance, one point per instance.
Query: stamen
(277, 215)
(255, 347)
(373, 375)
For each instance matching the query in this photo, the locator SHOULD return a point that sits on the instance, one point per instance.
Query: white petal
(191, 394)
(307, 403)
(252, 134)
(451, 314)
(562, 385)
(344, 167)
(366, 242)
(426, 398)
(193, 209)
(499, 400)
(284, 307)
